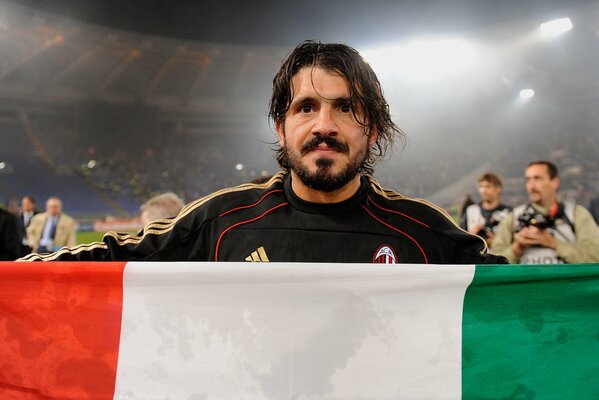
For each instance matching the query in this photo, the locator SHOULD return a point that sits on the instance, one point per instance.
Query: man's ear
(280, 131)
(555, 183)
(374, 134)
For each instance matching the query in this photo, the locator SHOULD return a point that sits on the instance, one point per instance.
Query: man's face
(53, 207)
(489, 192)
(540, 187)
(324, 143)
(27, 205)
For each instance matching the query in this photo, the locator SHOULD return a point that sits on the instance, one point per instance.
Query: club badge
(384, 255)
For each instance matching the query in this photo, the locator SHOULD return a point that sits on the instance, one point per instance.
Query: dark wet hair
(365, 93)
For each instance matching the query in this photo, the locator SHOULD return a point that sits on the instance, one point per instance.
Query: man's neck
(316, 196)
(490, 204)
(548, 204)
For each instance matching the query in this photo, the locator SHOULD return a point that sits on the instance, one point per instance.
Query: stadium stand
(30, 171)
(106, 119)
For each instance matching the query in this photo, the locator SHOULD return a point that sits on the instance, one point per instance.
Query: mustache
(330, 141)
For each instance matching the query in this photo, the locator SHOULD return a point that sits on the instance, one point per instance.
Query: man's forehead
(537, 170)
(314, 80)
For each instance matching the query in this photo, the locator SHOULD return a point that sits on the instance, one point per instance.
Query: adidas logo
(258, 256)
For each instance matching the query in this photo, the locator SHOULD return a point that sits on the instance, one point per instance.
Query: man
(53, 229)
(483, 218)
(333, 124)
(546, 230)
(160, 207)
(9, 243)
(28, 210)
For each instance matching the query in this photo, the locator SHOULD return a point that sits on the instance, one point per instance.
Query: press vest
(563, 231)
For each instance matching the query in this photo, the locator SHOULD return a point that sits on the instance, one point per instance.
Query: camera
(531, 217)
(492, 222)
(488, 228)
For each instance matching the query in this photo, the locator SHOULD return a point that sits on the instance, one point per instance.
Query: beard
(323, 179)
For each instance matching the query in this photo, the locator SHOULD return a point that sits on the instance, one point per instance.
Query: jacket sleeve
(34, 231)
(72, 234)
(459, 246)
(502, 244)
(586, 247)
(172, 239)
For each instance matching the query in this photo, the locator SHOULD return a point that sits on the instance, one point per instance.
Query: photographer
(547, 231)
(483, 218)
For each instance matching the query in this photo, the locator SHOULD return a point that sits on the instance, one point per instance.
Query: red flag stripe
(60, 328)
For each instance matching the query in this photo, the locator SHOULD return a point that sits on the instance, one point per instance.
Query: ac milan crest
(384, 255)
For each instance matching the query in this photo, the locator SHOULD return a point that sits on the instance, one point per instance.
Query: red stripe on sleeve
(60, 327)
(250, 205)
(243, 223)
(398, 213)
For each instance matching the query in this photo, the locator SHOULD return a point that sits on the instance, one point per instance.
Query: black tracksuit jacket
(268, 222)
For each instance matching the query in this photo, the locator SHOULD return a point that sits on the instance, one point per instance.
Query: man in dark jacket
(28, 210)
(333, 125)
(9, 242)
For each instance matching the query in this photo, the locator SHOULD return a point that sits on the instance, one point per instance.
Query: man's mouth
(324, 144)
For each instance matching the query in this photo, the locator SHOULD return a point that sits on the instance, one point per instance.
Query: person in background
(166, 205)
(547, 230)
(483, 218)
(53, 229)
(26, 213)
(9, 242)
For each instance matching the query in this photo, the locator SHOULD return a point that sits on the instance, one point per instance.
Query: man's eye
(306, 108)
(346, 108)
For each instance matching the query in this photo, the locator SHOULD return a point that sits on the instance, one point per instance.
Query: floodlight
(527, 94)
(556, 27)
(425, 59)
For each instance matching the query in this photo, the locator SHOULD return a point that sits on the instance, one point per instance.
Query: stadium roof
(221, 55)
(276, 22)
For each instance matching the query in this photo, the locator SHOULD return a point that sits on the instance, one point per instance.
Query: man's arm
(9, 249)
(72, 235)
(504, 238)
(586, 247)
(34, 231)
(459, 247)
(176, 239)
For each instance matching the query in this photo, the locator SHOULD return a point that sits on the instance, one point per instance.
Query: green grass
(89, 237)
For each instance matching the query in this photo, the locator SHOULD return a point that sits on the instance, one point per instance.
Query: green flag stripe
(531, 332)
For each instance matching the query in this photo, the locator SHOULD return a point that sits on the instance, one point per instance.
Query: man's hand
(489, 239)
(474, 229)
(532, 236)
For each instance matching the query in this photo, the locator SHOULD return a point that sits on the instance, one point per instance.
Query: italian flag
(298, 331)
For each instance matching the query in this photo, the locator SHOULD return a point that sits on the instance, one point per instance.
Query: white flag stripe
(282, 331)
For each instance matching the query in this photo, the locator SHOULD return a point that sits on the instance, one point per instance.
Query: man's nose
(325, 123)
